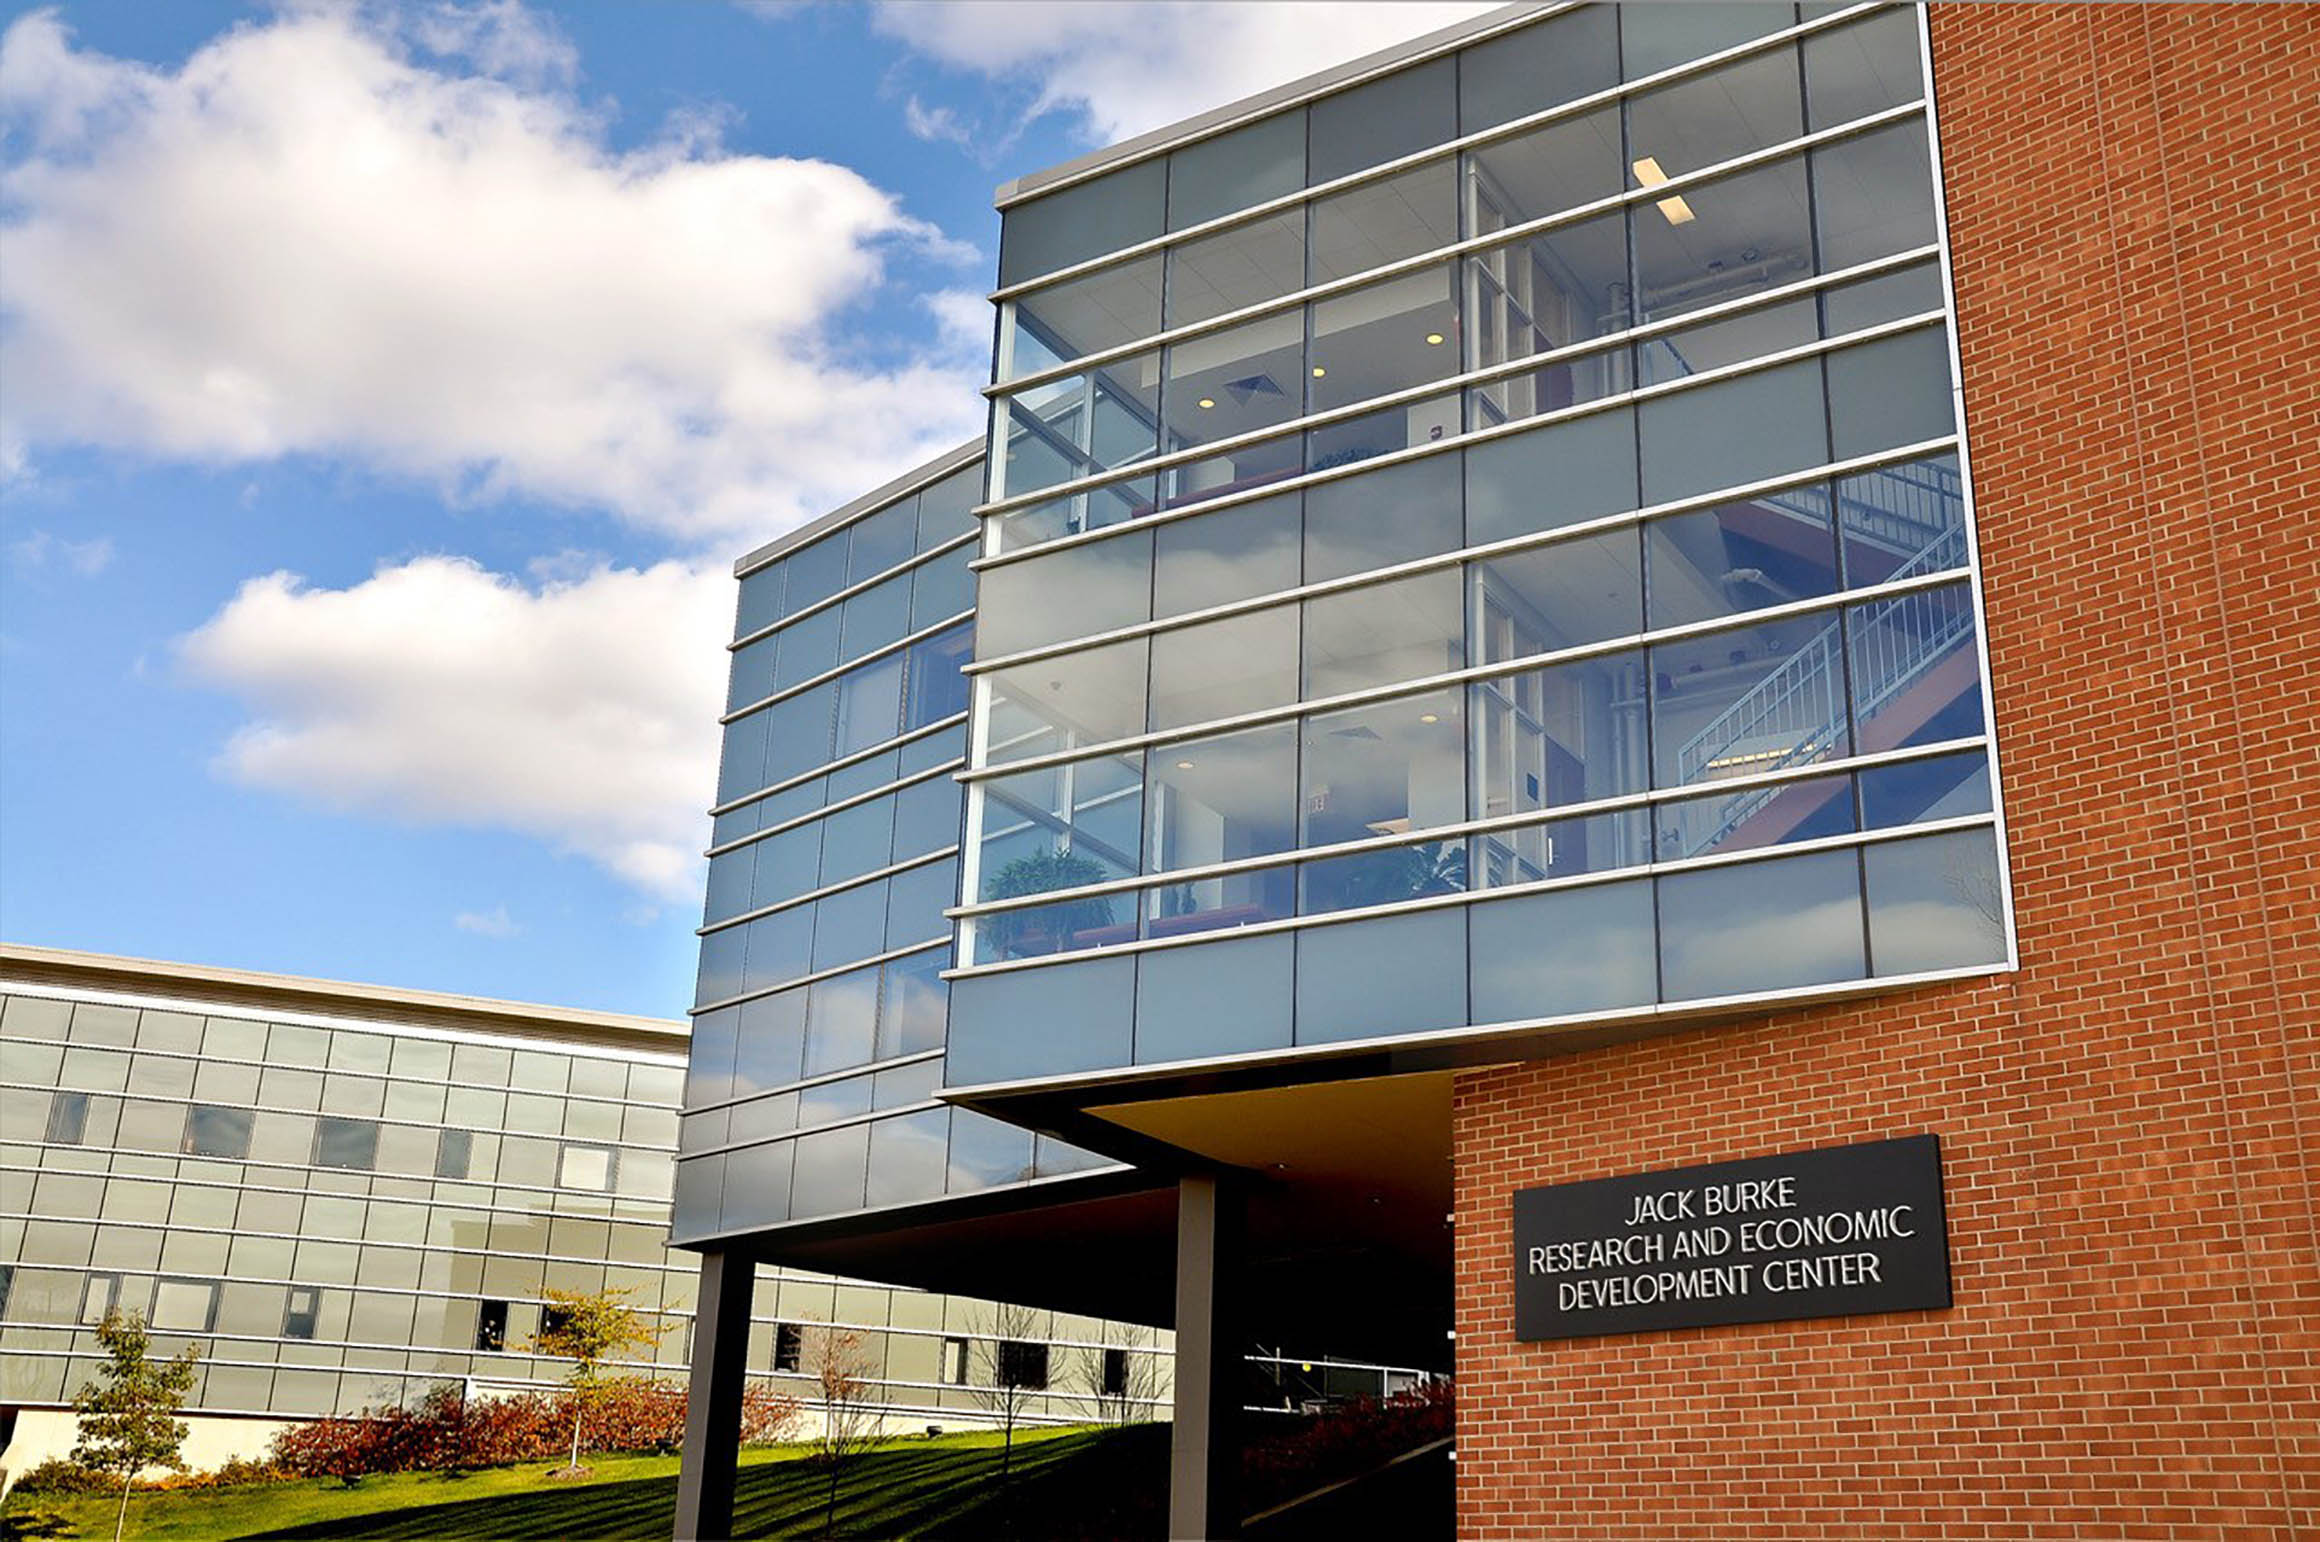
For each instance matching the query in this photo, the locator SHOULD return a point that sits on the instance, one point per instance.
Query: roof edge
(1232, 114)
(253, 990)
(910, 481)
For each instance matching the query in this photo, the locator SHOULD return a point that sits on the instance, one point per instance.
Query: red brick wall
(2129, 1123)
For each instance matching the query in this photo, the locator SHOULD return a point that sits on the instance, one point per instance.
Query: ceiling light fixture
(1207, 402)
(1184, 765)
(1433, 339)
(1318, 372)
(1647, 172)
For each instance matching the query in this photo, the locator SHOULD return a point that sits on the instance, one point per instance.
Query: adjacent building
(348, 1196)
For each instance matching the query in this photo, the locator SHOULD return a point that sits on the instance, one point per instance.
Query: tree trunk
(121, 1516)
(830, 1512)
(578, 1408)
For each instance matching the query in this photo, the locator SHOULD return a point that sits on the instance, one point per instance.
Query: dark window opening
(347, 1143)
(1115, 1373)
(554, 1319)
(68, 1118)
(303, 1312)
(217, 1132)
(1022, 1365)
(454, 1154)
(491, 1325)
(789, 1344)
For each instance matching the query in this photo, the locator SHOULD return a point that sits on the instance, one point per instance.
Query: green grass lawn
(1064, 1485)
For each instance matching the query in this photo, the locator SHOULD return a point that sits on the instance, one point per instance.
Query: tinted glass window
(1739, 430)
(1073, 699)
(1403, 630)
(1075, 592)
(1000, 1024)
(1393, 116)
(1658, 37)
(1233, 171)
(1217, 669)
(1237, 267)
(1231, 554)
(1220, 998)
(1761, 926)
(1559, 596)
(352, 1143)
(1393, 975)
(1935, 903)
(1102, 215)
(1571, 951)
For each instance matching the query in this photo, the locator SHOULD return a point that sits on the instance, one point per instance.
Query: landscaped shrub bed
(1345, 1442)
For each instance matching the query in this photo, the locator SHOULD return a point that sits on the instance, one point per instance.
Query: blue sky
(386, 389)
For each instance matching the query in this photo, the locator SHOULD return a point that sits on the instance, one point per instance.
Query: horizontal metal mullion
(772, 789)
(882, 651)
(921, 559)
(815, 977)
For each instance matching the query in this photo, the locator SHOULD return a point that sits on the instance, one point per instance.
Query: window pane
(769, 1042)
(829, 1102)
(1853, 71)
(798, 732)
(1062, 927)
(1096, 421)
(1363, 878)
(943, 506)
(1693, 350)
(869, 705)
(1075, 592)
(756, 1187)
(1230, 554)
(1715, 116)
(729, 878)
(758, 604)
(1003, 1025)
(349, 1143)
(850, 925)
(1890, 392)
(841, 1022)
(1694, 249)
(908, 1157)
(1220, 799)
(1760, 926)
(855, 840)
(878, 541)
(1392, 975)
(806, 647)
(1388, 769)
(1944, 787)
(788, 865)
(916, 900)
(1237, 170)
(986, 1154)
(1571, 951)
(1873, 195)
(751, 678)
(1381, 518)
(1735, 431)
(936, 690)
(1741, 556)
(913, 1005)
(1403, 630)
(1757, 817)
(926, 817)
(1571, 733)
(1234, 268)
(1393, 116)
(1911, 516)
(1060, 827)
(218, 1132)
(941, 589)
(1746, 700)
(1561, 848)
(1221, 998)
(741, 768)
(1088, 697)
(1236, 381)
(1534, 68)
(875, 617)
(1659, 37)
(1559, 596)
(1218, 904)
(1869, 302)
(1550, 477)
(1935, 902)
(1544, 293)
(1084, 315)
(1386, 337)
(585, 1167)
(779, 946)
(1915, 674)
(816, 571)
(1101, 215)
(1218, 669)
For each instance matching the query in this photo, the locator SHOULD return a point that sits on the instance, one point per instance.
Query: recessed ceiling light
(1184, 765)
(1648, 172)
(1207, 402)
(1318, 372)
(1433, 339)
(1429, 717)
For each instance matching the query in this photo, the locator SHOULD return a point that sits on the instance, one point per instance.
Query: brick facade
(2129, 1122)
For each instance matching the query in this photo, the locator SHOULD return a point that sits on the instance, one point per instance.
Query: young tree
(849, 1422)
(589, 1328)
(1010, 1354)
(1121, 1380)
(128, 1415)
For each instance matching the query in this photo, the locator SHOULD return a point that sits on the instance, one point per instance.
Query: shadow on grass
(1100, 1484)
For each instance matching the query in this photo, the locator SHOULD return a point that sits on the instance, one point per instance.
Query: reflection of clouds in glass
(907, 1157)
(1924, 934)
(1778, 948)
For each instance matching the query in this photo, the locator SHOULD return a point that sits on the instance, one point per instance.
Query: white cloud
(494, 923)
(578, 710)
(1133, 65)
(935, 125)
(83, 559)
(416, 249)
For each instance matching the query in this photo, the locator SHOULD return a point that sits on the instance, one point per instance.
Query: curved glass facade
(1492, 548)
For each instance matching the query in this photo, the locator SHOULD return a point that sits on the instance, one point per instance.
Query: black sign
(1827, 1233)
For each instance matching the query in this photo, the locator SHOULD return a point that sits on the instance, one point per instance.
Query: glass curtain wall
(1549, 509)
(819, 1019)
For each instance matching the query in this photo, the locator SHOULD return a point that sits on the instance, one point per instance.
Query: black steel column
(713, 1405)
(1204, 1465)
